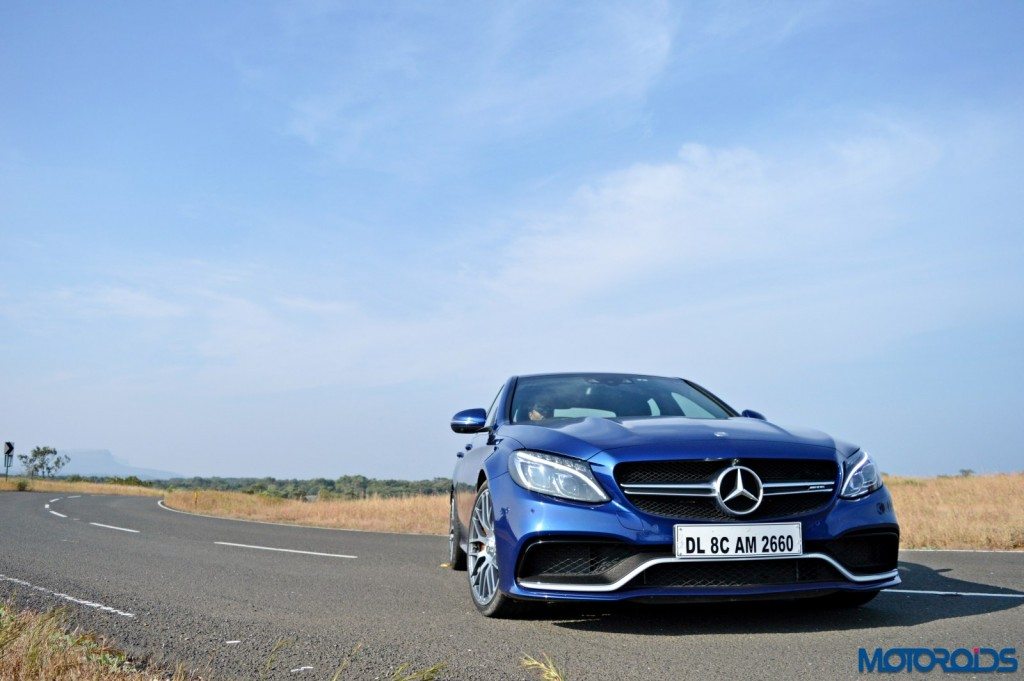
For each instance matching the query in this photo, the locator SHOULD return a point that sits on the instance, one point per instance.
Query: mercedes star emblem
(738, 490)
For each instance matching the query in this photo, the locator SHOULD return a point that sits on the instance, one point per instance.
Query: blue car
(607, 487)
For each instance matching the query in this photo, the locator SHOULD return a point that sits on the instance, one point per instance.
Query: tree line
(345, 487)
(46, 462)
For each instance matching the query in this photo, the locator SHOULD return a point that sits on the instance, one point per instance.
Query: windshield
(538, 398)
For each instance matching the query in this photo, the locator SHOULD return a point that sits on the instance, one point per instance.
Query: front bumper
(550, 549)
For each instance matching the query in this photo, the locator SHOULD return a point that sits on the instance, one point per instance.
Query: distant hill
(101, 463)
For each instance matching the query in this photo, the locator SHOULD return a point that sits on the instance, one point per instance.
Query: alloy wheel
(483, 565)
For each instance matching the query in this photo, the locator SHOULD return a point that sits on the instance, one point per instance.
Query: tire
(482, 561)
(848, 599)
(456, 556)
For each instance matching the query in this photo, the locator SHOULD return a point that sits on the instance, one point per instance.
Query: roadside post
(8, 457)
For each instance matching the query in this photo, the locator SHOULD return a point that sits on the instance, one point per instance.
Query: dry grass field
(977, 512)
(420, 514)
(37, 646)
(43, 647)
(62, 486)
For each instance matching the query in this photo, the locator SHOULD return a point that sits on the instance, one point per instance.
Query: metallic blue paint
(522, 516)
(469, 421)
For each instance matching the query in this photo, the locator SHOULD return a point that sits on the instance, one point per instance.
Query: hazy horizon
(292, 239)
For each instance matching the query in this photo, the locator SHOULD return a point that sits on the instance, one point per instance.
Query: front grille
(737, 573)
(774, 506)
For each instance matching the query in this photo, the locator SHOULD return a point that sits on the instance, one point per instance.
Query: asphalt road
(194, 589)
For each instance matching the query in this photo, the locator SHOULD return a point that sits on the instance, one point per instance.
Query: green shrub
(22, 485)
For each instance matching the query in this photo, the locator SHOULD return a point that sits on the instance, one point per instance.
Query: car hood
(586, 437)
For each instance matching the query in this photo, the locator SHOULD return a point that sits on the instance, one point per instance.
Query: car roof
(594, 373)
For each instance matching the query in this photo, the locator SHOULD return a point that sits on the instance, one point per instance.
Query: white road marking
(231, 643)
(271, 548)
(301, 669)
(46, 506)
(61, 515)
(53, 500)
(951, 593)
(113, 527)
(79, 601)
(74, 496)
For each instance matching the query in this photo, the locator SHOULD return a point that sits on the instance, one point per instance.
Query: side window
(492, 411)
(655, 409)
(691, 409)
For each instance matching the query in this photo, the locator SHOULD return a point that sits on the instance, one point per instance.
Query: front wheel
(483, 562)
(456, 556)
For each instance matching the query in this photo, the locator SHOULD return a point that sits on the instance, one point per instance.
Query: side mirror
(469, 421)
(750, 414)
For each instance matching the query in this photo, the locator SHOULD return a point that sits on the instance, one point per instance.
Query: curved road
(223, 595)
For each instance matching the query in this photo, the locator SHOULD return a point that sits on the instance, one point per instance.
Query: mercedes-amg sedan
(617, 486)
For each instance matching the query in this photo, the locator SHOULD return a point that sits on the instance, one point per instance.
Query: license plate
(717, 542)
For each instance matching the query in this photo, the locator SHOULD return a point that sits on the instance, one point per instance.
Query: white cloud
(736, 266)
(652, 246)
(709, 209)
(119, 301)
(601, 54)
(314, 306)
(395, 94)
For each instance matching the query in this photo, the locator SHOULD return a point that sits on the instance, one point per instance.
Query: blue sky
(291, 239)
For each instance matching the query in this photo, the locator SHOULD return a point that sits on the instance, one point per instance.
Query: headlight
(558, 476)
(861, 476)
